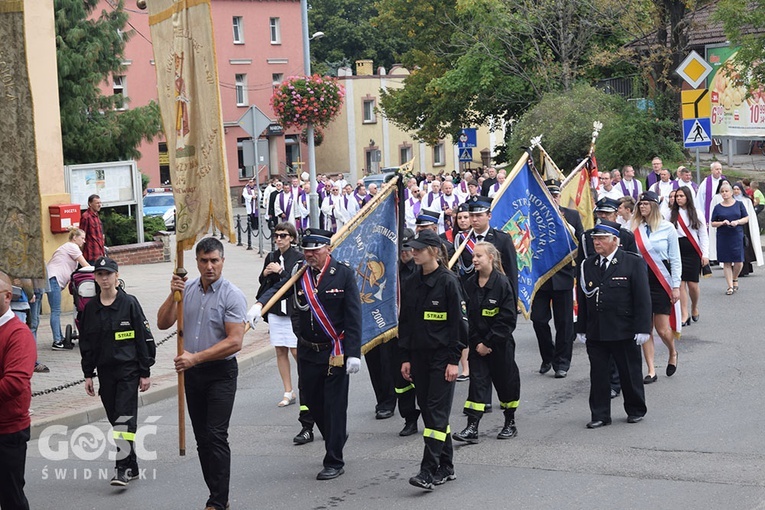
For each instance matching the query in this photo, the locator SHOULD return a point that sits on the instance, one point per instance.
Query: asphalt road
(700, 446)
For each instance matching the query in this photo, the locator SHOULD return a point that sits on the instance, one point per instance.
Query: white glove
(253, 316)
(581, 338)
(352, 365)
(642, 338)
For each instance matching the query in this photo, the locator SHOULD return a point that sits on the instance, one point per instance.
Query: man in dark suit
(614, 320)
(606, 209)
(329, 341)
(557, 291)
(490, 181)
(480, 216)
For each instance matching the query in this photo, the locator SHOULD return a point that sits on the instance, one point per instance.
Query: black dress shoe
(546, 367)
(410, 428)
(596, 424)
(560, 374)
(304, 436)
(383, 414)
(329, 473)
(650, 379)
(672, 367)
(634, 419)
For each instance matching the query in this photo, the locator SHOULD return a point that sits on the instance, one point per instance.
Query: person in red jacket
(17, 362)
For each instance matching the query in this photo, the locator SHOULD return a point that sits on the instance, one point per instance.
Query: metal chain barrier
(82, 380)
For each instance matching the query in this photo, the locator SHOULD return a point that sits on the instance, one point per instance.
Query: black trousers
(434, 395)
(499, 368)
(13, 457)
(379, 361)
(119, 395)
(628, 358)
(304, 417)
(559, 354)
(326, 394)
(405, 391)
(210, 391)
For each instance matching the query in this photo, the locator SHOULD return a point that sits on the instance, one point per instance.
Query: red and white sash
(689, 235)
(662, 274)
(470, 246)
(320, 314)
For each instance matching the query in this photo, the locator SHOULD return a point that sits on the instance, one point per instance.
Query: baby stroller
(82, 286)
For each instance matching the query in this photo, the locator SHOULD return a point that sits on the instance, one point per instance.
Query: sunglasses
(281, 236)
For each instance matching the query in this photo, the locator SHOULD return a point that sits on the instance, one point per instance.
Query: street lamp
(313, 197)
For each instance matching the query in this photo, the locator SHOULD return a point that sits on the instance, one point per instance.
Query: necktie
(479, 238)
(603, 264)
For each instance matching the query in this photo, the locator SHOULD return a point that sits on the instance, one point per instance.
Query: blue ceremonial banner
(543, 240)
(369, 245)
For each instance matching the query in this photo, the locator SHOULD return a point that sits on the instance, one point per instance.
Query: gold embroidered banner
(189, 99)
(21, 251)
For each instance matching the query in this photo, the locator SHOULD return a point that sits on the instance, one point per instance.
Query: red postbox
(63, 217)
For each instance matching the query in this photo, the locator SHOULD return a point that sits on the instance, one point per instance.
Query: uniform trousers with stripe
(326, 394)
(405, 391)
(434, 395)
(499, 368)
(118, 390)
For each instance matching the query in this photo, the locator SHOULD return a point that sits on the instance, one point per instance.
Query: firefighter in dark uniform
(606, 209)
(433, 332)
(116, 342)
(614, 321)
(558, 292)
(480, 216)
(329, 341)
(390, 361)
(428, 220)
(492, 313)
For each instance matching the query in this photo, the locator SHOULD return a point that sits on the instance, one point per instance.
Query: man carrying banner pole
(329, 341)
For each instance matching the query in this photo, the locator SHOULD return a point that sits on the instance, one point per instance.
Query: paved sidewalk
(60, 395)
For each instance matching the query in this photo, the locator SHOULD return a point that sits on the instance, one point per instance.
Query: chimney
(364, 67)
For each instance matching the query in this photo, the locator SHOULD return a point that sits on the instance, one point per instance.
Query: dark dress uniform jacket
(492, 310)
(339, 295)
(503, 242)
(436, 302)
(116, 337)
(621, 307)
(291, 257)
(563, 279)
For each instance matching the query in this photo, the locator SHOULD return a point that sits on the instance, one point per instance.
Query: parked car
(384, 176)
(160, 202)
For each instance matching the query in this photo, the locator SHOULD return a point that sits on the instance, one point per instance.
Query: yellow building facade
(361, 140)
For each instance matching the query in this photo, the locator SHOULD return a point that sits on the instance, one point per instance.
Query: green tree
(564, 119)
(90, 49)
(744, 25)
(350, 35)
(489, 58)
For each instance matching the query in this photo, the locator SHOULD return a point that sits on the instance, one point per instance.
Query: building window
(238, 30)
(245, 172)
(277, 79)
(276, 33)
(164, 164)
(120, 89)
(439, 154)
(369, 111)
(241, 90)
(405, 154)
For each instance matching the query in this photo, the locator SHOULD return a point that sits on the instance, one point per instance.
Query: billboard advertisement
(736, 111)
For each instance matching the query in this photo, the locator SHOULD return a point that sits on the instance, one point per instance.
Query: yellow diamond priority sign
(694, 69)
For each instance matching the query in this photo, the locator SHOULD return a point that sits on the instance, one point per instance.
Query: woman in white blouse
(694, 249)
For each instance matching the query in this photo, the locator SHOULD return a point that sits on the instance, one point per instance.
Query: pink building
(259, 43)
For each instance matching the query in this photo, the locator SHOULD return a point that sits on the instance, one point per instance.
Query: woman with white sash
(656, 239)
(694, 249)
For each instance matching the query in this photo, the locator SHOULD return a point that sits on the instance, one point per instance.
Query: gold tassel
(337, 361)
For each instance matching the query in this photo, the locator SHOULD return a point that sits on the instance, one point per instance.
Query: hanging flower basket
(300, 100)
(318, 136)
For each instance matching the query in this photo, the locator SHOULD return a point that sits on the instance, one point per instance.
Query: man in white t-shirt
(606, 188)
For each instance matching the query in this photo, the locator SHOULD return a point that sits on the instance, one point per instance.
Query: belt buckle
(315, 347)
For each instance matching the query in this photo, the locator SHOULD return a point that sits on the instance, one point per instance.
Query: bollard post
(239, 229)
(249, 236)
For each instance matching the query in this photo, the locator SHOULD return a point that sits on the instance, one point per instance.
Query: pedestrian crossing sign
(696, 132)
(466, 154)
